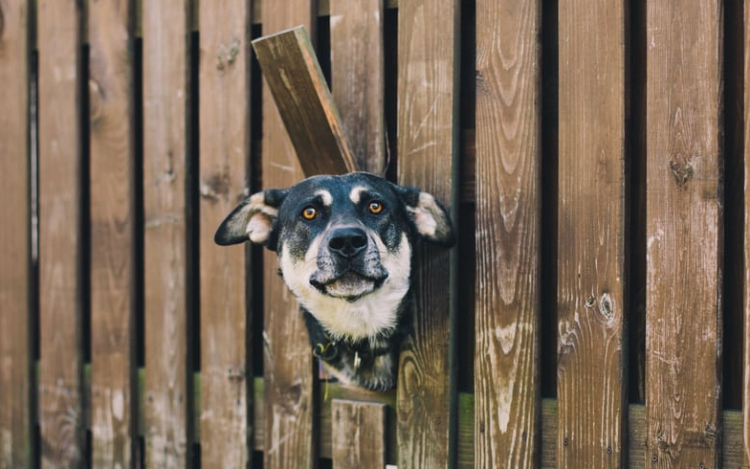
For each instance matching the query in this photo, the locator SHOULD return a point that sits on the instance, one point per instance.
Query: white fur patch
(255, 219)
(365, 317)
(424, 214)
(325, 196)
(356, 194)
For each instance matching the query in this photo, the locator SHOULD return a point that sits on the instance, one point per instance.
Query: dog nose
(347, 242)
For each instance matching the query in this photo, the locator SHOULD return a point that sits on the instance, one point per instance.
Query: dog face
(344, 245)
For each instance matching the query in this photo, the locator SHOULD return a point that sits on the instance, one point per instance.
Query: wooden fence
(593, 314)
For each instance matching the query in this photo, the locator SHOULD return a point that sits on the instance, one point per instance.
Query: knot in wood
(227, 54)
(682, 170)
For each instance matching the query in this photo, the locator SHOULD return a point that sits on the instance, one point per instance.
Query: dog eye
(375, 207)
(309, 213)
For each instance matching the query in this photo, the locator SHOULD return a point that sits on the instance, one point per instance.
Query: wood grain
(224, 181)
(427, 152)
(165, 95)
(508, 195)
(358, 79)
(112, 233)
(684, 233)
(60, 243)
(358, 434)
(16, 360)
(303, 101)
(287, 361)
(591, 237)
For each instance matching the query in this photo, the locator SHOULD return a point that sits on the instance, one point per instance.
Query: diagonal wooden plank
(16, 358)
(684, 233)
(427, 151)
(508, 130)
(165, 97)
(358, 75)
(60, 237)
(112, 234)
(591, 238)
(224, 177)
(305, 105)
(287, 361)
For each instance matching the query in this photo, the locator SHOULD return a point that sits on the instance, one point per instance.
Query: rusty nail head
(565, 442)
(654, 458)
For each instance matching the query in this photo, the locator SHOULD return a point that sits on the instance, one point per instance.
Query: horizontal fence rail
(592, 154)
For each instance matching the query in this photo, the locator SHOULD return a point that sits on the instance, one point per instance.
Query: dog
(345, 246)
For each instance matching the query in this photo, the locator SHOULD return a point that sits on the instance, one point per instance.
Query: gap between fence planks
(684, 233)
(224, 109)
(16, 354)
(746, 283)
(168, 398)
(61, 181)
(428, 58)
(508, 156)
(299, 89)
(112, 202)
(290, 403)
(591, 237)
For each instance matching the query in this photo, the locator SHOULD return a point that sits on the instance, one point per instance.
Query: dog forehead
(347, 188)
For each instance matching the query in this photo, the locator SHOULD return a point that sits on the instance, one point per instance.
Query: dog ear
(254, 219)
(428, 216)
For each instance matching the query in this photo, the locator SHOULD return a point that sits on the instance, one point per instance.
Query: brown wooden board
(746, 282)
(358, 434)
(112, 233)
(224, 181)
(165, 95)
(287, 361)
(358, 77)
(427, 149)
(684, 233)
(303, 101)
(16, 359)
(60, 237)
(508, 195)
(591, 237)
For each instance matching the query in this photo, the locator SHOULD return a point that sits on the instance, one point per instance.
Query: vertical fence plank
(427, 149)
(358, 434)
(165, 95)
(16, 362)
(591, 239)
(224, 107)
(112, 233)
(60, 237)
(358, 74)
(684, 233)
(508, 130)
(287, 361)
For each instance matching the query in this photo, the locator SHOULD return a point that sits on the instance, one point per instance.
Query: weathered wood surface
(303, 101)
(223, 182)
(112, 233)
(508, 196)
(427, 149)
(287, 361)
(165, 96)
(684, 233)
(60, 238)
(358, 434)
(591, 237)
(16, 359)
(746, 283)
(358, 77)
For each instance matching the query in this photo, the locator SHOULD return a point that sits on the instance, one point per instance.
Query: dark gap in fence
(192, 209)
(390, 94)
(549, 190)
(33, 300)
(138, 205)
(141, 453)
(734, 211)
(466, 223)
(85, 221)
(322, 43)
(195, 458)
(636, 311)
(257, 458)
(325, 463)
(88, 460)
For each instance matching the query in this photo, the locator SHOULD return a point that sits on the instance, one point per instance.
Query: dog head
(344, 245)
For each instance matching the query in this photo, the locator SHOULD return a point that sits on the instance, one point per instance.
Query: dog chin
(349, 287)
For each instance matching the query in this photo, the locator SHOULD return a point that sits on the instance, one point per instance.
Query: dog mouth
(350, 285)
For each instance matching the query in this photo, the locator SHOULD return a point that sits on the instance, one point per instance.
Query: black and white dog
(345, 247)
